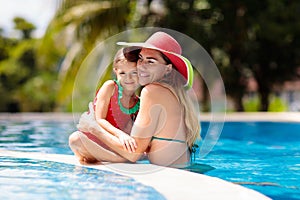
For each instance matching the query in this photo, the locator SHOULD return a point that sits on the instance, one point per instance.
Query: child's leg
(79, 149)
(99, 152)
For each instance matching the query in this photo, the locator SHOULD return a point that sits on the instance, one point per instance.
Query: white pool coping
(232, 116)
(252, 116)
(173, 184)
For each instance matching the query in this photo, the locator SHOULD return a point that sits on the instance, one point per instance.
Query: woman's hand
(128, 142)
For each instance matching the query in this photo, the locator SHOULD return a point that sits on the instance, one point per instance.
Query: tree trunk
(238, 103)
(264, 98)
(263, 87)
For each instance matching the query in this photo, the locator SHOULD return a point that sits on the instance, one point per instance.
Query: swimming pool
(25, 178)
(263, 156)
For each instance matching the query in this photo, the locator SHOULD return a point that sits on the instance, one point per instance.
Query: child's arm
(101, 106)
(103, 99)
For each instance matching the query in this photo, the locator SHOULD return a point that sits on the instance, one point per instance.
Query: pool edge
(163, 179)
(215, 116)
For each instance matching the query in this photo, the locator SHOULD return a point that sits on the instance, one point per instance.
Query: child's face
(127, 75)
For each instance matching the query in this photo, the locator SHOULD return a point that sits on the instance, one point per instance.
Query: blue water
(36, 136)
(22, 178)
(264, 156)
(31, 179)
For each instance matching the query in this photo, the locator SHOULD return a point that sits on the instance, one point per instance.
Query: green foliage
(24, 86)
(238, 34)
(251, 104)
(73, 33)
(38, 75)
(277, 105)
(260, 36)
(37, 94)
(245, 38)
(24, 26)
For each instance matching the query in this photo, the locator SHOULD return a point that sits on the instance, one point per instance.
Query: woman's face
(151, 66)
(127, 76)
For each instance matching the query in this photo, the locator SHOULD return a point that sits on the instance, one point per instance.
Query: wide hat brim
(182, 64)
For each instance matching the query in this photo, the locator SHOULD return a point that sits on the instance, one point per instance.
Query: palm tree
(74, 31)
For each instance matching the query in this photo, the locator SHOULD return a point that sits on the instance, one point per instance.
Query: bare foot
(87, 161)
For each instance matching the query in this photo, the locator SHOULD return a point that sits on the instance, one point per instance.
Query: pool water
(36, 136)
(264, 156)
(31, 179)
(22, 178)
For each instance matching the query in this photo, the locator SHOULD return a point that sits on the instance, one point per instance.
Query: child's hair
(125, 55)
(119, 57)
(132, 53)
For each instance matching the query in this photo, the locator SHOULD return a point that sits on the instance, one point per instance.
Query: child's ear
(115, 70)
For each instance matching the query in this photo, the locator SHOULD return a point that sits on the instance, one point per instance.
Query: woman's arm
(88, 123)
(144, 127)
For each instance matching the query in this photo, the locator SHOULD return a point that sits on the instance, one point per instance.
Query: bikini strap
(167, 139)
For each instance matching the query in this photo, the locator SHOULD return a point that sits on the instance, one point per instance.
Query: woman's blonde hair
(192, 123)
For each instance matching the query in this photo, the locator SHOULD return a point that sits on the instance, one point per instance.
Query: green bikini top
(167, 139)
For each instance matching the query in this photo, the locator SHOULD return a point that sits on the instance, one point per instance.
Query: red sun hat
(167, 45)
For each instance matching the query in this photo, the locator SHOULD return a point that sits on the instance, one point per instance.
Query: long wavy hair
(191, 120)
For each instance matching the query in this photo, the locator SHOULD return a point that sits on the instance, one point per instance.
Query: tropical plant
(260, 37)
(21, 79)
(73, 33)
(24, 26)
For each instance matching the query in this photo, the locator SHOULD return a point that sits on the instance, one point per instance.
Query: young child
(116, 104)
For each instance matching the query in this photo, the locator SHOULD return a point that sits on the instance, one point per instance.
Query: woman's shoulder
(153, 89)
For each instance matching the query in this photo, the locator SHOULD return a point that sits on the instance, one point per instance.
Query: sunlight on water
(263, 156)
(33, 179)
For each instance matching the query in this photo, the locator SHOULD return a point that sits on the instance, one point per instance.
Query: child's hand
(128, 142)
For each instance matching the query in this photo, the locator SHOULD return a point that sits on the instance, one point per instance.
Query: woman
(166, 126)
